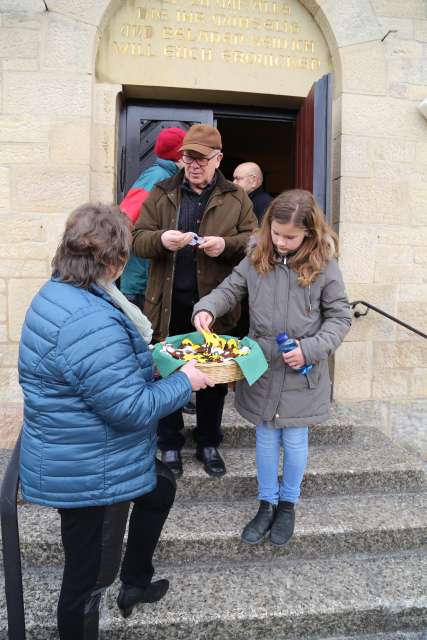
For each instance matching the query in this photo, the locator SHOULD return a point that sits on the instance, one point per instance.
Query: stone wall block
(389, 273)
(412, 293)
(22, 229)
(90, 12)
(414, 314)
(355, 159)
(10, 391)
(23, 6)
(390, 384)
(103, 150)
(23, 153)
(420, 30)
(103, 186)
(357, 253)
(403, 26)
(364, 68)
(367, 115)
(418, 387)
(353, 371)
(391, 235)
(398, 9)
(105, 103)
(78, 55)
(23, 268)
(374, 201)
(9, 355)
(406, 91)
(3, 313)
(21, 64)
(417, 203)
(421, 255)
(48, 189)
(347, 23)
(23, 251)
(403, 255)
(4, 189)
(69, 141)
(20, 293)
(19, 43)
(408, 354)
(406, 61)
(23, 129)
(50, 95)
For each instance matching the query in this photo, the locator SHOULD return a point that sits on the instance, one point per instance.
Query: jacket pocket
(295, 381)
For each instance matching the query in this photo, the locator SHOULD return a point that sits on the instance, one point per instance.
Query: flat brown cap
(202, 138)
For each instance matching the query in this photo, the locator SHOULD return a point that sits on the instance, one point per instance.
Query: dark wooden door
(139, 127)
(313, 143)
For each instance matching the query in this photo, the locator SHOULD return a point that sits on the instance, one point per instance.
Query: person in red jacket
(168, 162)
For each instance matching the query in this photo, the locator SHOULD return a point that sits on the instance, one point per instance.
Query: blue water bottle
(286, 344)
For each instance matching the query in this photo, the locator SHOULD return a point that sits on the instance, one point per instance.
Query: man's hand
(213, 246)
(175, 240)
(202, 321)
(294, 358)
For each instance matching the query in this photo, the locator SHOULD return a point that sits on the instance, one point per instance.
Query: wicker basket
(219, 372)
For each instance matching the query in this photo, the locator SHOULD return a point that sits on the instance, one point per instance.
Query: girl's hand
(294, 358)
(202, 321)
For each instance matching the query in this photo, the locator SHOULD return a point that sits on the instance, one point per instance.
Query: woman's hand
(294, 358)
(197, 379)
(202, 321)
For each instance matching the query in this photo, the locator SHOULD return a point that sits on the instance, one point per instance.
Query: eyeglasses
(202, 162)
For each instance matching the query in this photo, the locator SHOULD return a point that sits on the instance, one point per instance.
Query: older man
(248, 175)
(194, 227)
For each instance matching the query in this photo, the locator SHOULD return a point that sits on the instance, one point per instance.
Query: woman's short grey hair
(96, 242)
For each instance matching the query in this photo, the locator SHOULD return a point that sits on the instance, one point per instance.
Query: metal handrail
(11, 550)
(368, 305)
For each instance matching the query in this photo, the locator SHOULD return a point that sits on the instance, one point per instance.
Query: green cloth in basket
(252, 365)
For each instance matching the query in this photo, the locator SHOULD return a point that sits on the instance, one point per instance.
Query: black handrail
(11, 549)
(368, 305)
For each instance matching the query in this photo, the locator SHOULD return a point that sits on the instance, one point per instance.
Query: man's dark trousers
(209, 402)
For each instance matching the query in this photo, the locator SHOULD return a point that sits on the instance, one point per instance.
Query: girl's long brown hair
(320, 244)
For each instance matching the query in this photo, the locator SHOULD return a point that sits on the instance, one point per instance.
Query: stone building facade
(58, 148)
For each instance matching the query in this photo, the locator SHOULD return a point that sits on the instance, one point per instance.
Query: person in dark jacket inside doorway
(248, 175)
(91, 407)
(194, 228)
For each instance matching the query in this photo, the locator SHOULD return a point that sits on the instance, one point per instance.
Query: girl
(295, 286)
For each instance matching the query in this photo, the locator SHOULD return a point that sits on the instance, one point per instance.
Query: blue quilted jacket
(91, 405)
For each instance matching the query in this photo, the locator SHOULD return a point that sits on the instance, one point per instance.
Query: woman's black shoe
(259, 526)
(283, 525)
(129, 596)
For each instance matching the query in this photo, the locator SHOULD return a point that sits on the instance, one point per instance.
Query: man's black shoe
(189, 408)
(259, 526)
(129, 596)
(172, 459)
(283, 525)
(213, 464)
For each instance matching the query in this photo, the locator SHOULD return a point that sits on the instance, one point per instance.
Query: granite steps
(199, 531)
(353, 567)
(246, 600)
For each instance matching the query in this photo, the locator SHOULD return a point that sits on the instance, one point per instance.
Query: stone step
(369, 462)
(200, 531)
(397, 635)
(254, 600)
(238, 432)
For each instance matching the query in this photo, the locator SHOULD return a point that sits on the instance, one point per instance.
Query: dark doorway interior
(269, 143)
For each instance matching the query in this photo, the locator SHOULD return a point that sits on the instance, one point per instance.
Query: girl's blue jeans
(295, 447)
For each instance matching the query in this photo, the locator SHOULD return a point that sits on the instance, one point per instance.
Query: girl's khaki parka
(319, 315)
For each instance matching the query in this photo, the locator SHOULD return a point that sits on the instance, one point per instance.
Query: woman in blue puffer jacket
(91, 406)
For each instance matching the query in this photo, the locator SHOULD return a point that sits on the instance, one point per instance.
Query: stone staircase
(355, 569)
